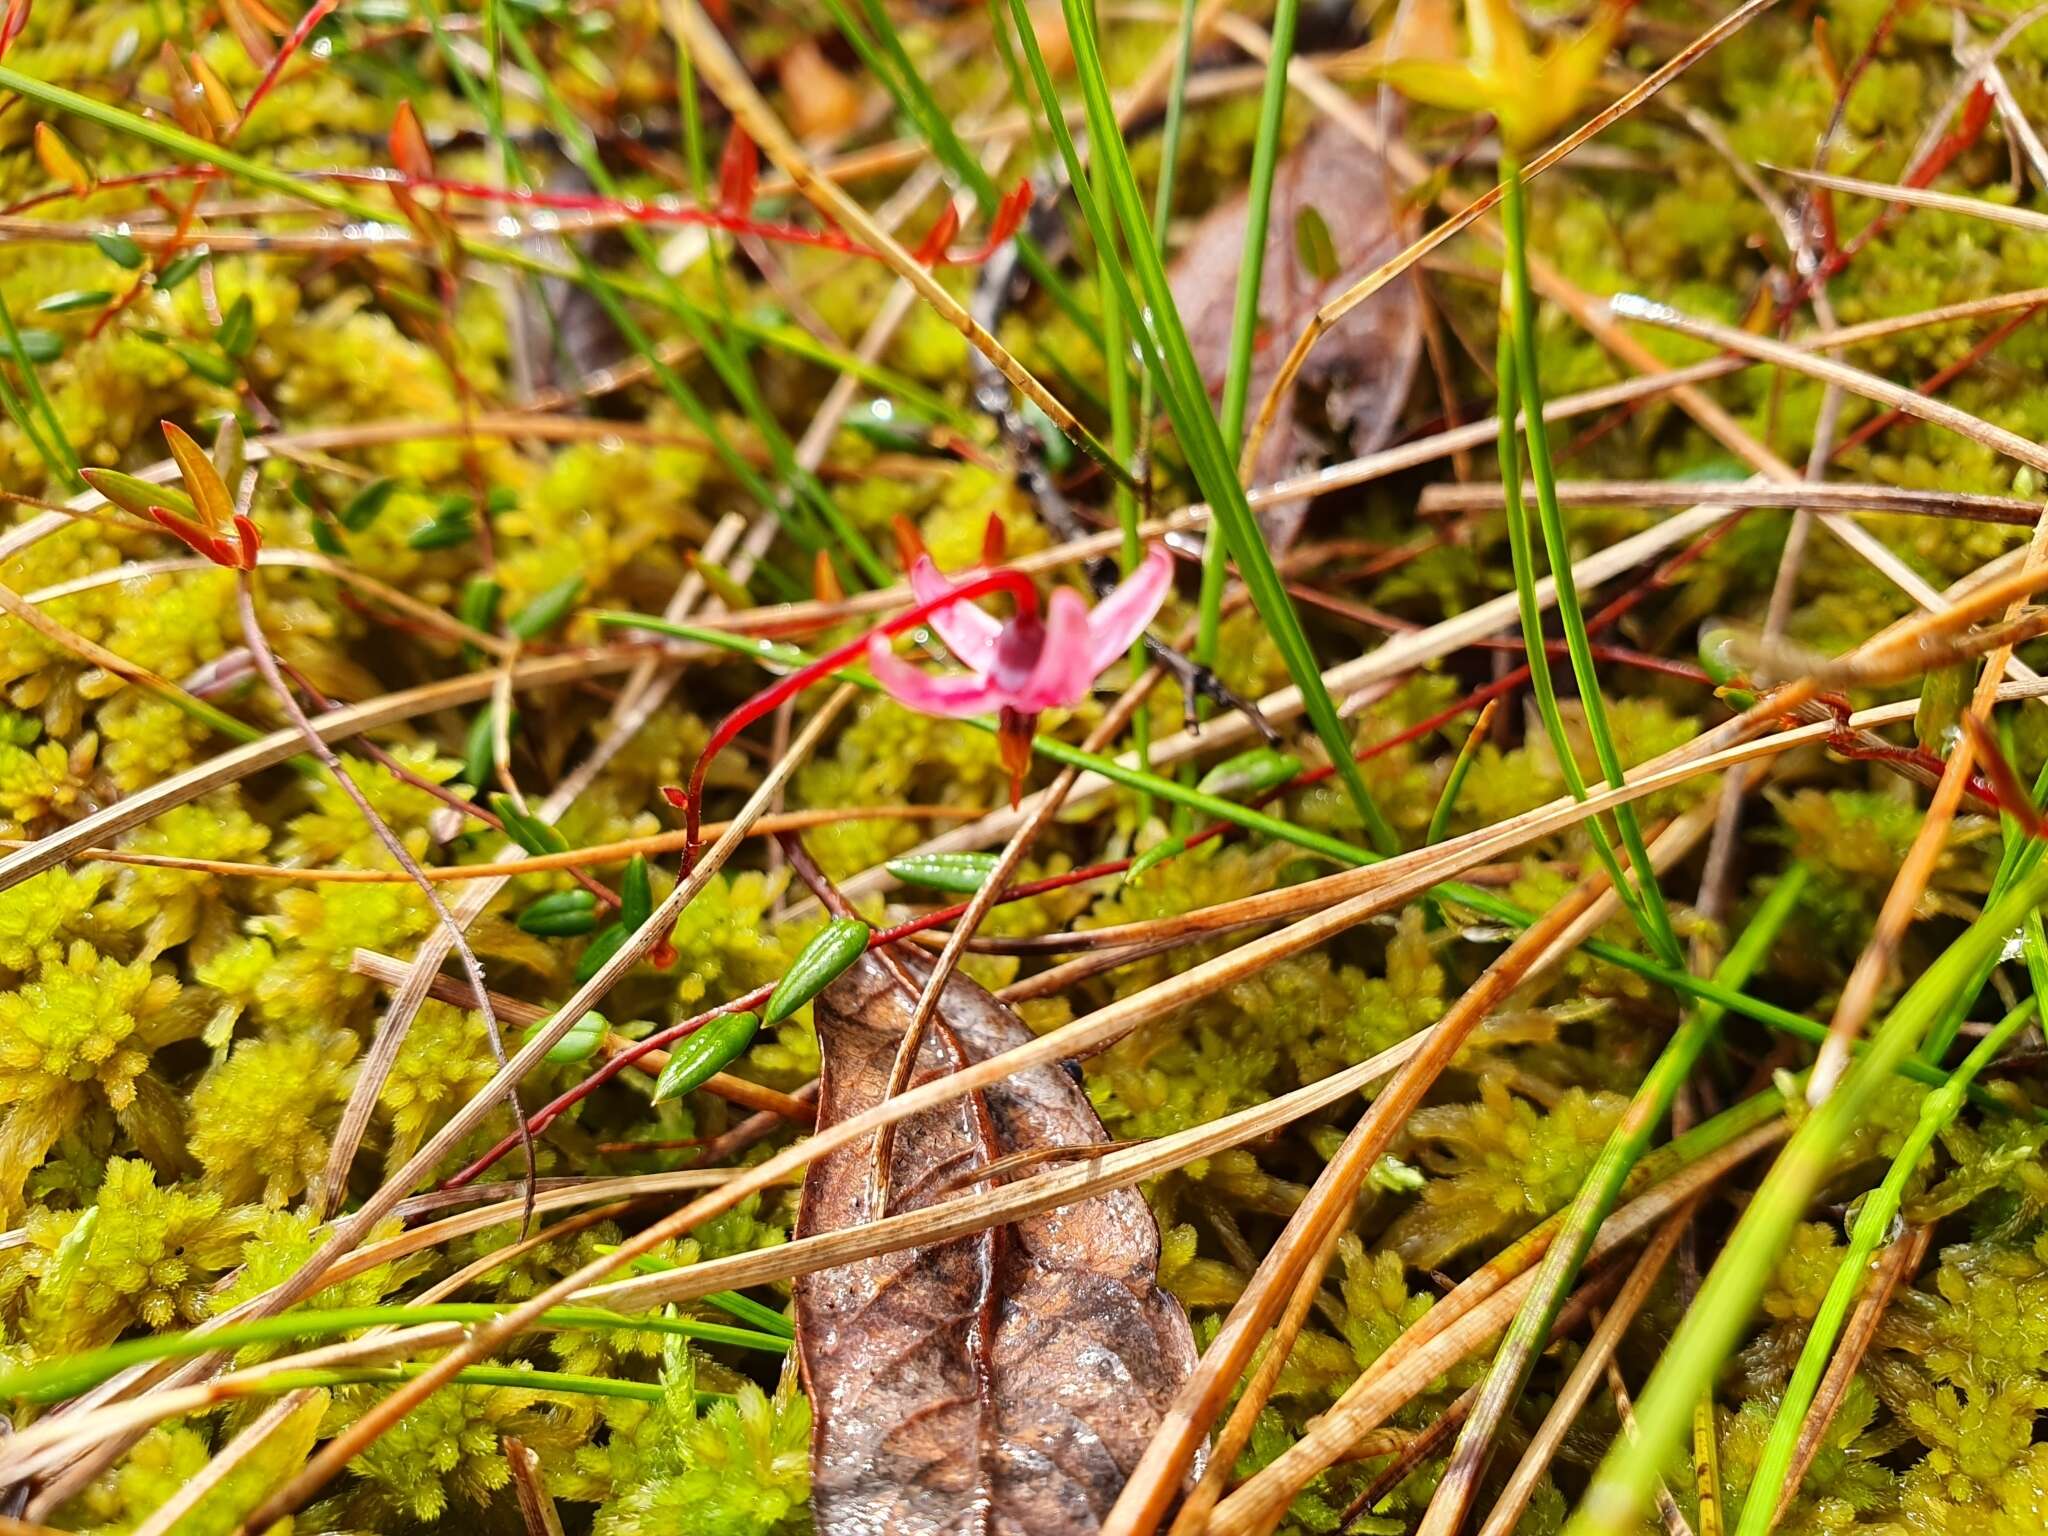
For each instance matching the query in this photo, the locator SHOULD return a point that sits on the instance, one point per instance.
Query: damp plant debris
(1153, 767)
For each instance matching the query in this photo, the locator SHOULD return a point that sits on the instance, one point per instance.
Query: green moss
(261, 1120)
(142, 1253)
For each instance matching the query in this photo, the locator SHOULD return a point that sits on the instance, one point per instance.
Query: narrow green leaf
(443, 531)
(1166, 848)
(35, 346)
(965, 873)
(1454, 781)
(1313, 246)
(132, 494)
(579, 1044)
(210, 365)
(529, 832)
(636, 893)
(180, 267)
(236, 332)
(835, 947)
(608, 941)
(118, 248)
(479, 745)
(366, 505)
(74, 299)
(563, 914)
(479, 605)
(710, 1050)
(1250, 773)
(548, 609)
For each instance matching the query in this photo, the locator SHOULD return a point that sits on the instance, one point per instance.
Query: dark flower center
(1018, 647)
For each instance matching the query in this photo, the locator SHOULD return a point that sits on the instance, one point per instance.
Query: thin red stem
(1016, 583)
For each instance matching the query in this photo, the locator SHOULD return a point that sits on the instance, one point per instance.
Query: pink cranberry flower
(1020, 666)
(1025, 664)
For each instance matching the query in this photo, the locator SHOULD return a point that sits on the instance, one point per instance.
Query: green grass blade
(882, 51)
(1244, 317)
(1652, 914)
(1874, 1224)
(1716, 1320)
(53, 1380)
(1163, 340)
(66, 463)
(1541, 687)
(1523, 1343)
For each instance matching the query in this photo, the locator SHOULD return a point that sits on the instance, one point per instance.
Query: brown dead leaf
(1005, 1381)
(1357, 380)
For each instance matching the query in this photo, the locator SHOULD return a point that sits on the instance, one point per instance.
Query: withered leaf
(1356, 382)
(1005, 1381)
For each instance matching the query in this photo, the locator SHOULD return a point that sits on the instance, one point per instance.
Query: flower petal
(953, 694)
(1121, 617)
(1066, 666)
(969, 632)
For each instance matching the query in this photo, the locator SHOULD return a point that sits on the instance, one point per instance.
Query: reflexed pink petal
(1121, 617)
(1065, 667)
(969, 633)
(953, 694)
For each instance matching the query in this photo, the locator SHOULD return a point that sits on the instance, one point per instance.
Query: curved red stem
(1016, 583)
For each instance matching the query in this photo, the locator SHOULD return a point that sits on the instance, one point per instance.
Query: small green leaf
(363, 507)
(208, 364)
(1250, 773)
(835, 947)
(1718, 660)
(601, 948)
(710, 1050)
(452, 525)
(69, 1257)
(74, 299)
(529, 832)
(1394, 1176)
(564, 914)
(326, 540)
(1313, 245)
(37, 346)
(237, 330)
(887, 425)
(180, 267)
(1059, 453)
(579, 1044)
(1166, 848)
(962, 872)
(118, 248)
(133, 494)
(478, 744)
(636, 893)
(1944, 695)
(548, 609)
(479, 606)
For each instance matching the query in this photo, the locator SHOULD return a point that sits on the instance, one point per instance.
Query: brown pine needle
(1578, 1387)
